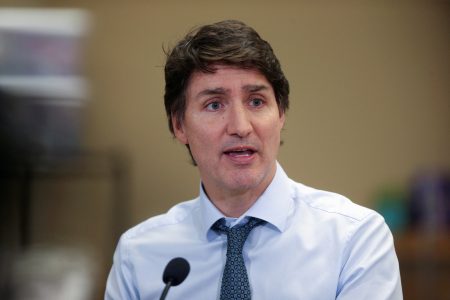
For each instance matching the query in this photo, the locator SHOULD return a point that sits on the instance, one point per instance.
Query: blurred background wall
(370, 106)
(370, 90)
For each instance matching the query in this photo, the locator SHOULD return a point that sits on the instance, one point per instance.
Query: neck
(234, 203)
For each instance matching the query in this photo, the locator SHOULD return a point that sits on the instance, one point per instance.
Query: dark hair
(228, 42)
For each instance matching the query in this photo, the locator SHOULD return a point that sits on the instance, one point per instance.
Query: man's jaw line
(233, 202)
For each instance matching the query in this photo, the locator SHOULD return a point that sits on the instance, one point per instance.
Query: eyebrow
(209, 92)
(251, 88)
(255, 87)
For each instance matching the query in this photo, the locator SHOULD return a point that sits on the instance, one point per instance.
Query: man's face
(232, 125)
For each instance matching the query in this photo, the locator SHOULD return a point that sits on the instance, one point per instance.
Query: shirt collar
(273, 206)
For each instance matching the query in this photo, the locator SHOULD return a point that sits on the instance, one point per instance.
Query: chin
(246, 180)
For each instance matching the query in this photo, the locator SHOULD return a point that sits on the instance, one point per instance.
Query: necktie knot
(238, 234)
(220, 225)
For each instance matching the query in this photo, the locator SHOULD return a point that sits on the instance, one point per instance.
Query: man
(252, 233)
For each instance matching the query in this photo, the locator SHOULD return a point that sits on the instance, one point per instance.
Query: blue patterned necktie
(235, 284)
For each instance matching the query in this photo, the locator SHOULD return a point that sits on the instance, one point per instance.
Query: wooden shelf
(424, 264)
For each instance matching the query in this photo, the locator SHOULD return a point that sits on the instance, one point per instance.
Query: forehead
(226, 78)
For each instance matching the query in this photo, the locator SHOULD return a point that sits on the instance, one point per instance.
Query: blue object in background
(391, 204)
(429, 206)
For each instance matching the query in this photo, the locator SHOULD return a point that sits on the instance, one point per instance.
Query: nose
(239, 123)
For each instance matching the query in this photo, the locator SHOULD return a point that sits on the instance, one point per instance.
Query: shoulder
(330, 203)
(175, 216)
(343, 220)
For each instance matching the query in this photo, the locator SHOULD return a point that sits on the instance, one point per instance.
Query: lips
(240, 152)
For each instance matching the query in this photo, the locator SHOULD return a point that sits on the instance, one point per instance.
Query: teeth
(240, 153)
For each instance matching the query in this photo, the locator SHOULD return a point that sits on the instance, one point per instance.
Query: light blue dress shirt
(315, 245)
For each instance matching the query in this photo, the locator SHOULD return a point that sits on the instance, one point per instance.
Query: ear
(178, 130)
(282, 118)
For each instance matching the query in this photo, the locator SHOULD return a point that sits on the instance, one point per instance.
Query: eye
(256, 102)
(213, 106)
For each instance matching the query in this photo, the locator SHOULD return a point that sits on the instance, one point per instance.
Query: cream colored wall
(369, 90)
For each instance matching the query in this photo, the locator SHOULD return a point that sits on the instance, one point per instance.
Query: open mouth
(240, 152)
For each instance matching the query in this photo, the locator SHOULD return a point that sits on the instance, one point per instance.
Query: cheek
(201, 139)
(271, 128)
(271, 135)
